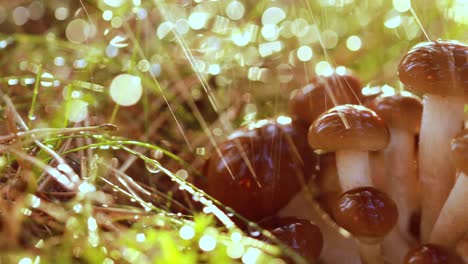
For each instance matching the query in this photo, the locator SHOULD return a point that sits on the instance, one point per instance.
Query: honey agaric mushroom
(299, 234)
(431, 254)
(351, 131)
(261, 167)
(369, 215)
(323, 93)
(452, 223)
(439, 70)
(402, 114)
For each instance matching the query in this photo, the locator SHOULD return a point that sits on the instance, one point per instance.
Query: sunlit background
(183, 74)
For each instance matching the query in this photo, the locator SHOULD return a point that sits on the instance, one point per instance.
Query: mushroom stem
(401, 175)
(338, 244)
(394, 247)
(452, 223)
(442, 118)
(370, 253)
(377, 163)
(353, 169)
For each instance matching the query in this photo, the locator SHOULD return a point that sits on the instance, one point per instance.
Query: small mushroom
(351, 131)
(299, 234)
(452, 223)
(431, 254)
(402, 114)
(261, 167)
(439, 70)
(369, 215)
(324, 93)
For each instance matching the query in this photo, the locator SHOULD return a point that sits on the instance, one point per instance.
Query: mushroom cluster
(388, 173)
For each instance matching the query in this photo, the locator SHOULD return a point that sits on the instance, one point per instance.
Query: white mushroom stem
(442, 118)
(370, 253)
(452, 223)
(377, 163)
(401, 175)
(353, 169)
(395, 247)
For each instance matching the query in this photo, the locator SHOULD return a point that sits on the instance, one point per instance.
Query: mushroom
(261, 167)
(299, 234)
(338, 244)
(452, 223)
(402, 113)
(369, 215)
(431, 254)
(351, 131)
(439, 70)
(324, 93)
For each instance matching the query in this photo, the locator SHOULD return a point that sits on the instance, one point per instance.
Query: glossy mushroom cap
(366, 131)
(262, 167)
(312, 100)
(366, 212)
(460, 151)
(439, 67)
(431, 254)
(299, 234)
(400, 110)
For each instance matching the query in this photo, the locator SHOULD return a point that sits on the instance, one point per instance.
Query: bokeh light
(353, 43)
(207, 243)
(304, 53)
(235, 10)
(187, 232)
(126, 89)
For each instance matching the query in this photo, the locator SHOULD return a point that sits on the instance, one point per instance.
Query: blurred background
(182, 75)
(261, 49)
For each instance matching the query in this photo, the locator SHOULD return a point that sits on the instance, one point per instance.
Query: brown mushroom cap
(313, 99)
(439, 67)
(299, 234)
(400, 110)
(278, 154)
(366, 212)
(366, 131)
(460, 151)
(431, 254)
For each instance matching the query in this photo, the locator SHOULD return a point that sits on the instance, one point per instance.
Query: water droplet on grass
(152, 166)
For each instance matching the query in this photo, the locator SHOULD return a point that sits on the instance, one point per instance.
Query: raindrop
(196, 197)
(152, 166)
(253, 231)
(119, 41)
